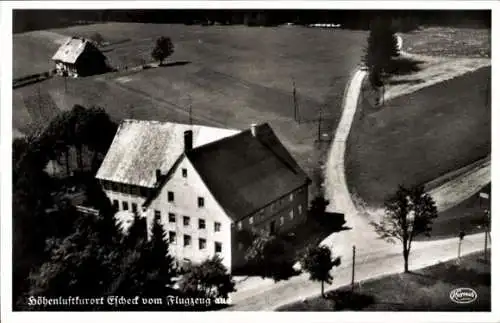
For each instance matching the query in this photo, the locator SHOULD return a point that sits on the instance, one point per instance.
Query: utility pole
(319, 122)
(295, 107)
(461, 236)
(483, 195)
(353, 267)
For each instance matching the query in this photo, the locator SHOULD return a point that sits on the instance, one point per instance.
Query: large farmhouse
(79, 57)
(205, 184)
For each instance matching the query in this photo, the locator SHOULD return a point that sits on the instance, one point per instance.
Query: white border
(6, 160)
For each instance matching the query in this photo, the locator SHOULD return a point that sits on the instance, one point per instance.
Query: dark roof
(245, 172)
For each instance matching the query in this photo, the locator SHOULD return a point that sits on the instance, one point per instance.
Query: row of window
(172, 218)
(171, 198)
(125, 205)
(282, 218)
(124, 188)
(186, 221)
(202, 243)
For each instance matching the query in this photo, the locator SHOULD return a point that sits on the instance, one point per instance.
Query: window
(125, 205)
(157, 215)
(136, 190)
(217, 226)
(201, 202)
(201, 224)
(282, 220)
(291, 197)
(116, 204)
(187, 240)
(184, 172)
(240, 225)
(218, 247)
(134, 207)
(172, 237)
(250, 220)
(291, 215)
(300, 209)
(170, 196)
(115, 187)
(185, 220)
(144, 191)
(202, 243)
(171, 217)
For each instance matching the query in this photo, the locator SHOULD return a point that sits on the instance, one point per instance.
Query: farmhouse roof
(139, 148)
(247, 171)
(72, 49)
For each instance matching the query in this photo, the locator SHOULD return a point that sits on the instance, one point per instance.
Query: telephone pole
(486, 230)
(295, 107)
(353, 267)
(486, 196)
(319, 122)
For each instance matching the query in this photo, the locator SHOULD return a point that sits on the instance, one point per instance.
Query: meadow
(418, 137)
(228, 76)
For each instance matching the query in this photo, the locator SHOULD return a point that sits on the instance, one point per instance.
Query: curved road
(374, 257)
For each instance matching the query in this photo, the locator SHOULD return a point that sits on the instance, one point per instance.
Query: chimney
(253, 128)
(188, 140)
(158, 175)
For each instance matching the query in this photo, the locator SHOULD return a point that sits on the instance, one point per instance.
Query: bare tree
(408, 213)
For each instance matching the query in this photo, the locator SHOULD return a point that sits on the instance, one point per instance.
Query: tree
(160, 263)
(163, 49)
(97, 38)
(269, 255)
(382, 44)
(209, 279)
(408, 213)
(318, 262)
(137, 232)
(318, 207)
(84, 261)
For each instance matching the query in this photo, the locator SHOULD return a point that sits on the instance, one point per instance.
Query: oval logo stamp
(463, 295)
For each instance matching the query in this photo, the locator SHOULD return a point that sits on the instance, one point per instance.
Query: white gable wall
(186, 192)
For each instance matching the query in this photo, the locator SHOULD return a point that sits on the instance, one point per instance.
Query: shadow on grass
(453, 274)
(177, 63)
(347, 300)
(342, 300)
(399, 82)
(404, 66)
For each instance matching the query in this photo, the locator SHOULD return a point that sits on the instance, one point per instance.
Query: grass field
(231, 76)
(418, 137)
(468, 216)
(427, 289)
(449, 41)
